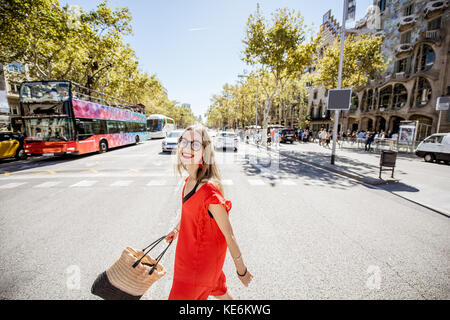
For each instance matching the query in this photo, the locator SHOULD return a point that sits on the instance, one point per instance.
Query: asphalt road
(305, 233)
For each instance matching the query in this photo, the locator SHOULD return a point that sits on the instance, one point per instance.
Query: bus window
(112, 126)
(121, 126)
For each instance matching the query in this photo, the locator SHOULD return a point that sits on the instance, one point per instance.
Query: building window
(369, 100)
(425, 58)
(405, 37)
(408, 10)
(403, 65)
(423, 94)
(382, 5)
(315, 95)
(434, 24)
(385, 97)
(14, 109)
(354, 102)
(400, 96)
(364, 101)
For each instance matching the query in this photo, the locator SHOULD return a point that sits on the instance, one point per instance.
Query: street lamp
(341, 58)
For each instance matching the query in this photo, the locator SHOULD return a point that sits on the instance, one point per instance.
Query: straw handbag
(131, 275)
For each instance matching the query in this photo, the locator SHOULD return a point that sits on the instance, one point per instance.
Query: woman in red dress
(204, 231)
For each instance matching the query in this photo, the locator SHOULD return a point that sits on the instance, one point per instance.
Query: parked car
(11, 145)
(225, 140)
(287, 135)
(170, 143)
(435, 148)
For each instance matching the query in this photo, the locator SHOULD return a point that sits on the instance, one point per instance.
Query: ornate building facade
(416, 42)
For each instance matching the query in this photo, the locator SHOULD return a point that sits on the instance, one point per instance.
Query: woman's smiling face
(191, 147)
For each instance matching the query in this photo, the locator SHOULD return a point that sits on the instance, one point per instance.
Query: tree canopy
(87, 47)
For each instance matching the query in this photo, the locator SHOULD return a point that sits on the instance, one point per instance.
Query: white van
(435, 148)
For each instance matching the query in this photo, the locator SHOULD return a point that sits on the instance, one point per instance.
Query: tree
(86, 47)
(363, 60)
(278, 48)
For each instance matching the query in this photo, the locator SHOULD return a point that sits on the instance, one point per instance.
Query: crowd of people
(324, 137)
(360, 137)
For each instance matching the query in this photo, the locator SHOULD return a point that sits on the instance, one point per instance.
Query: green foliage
(362, 61)
(56, 42)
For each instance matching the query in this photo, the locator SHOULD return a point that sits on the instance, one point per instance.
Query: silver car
(226, 140)
(170, 143)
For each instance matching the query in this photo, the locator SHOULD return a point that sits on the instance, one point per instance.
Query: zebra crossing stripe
(84, 183)
(256, 182)
(157, 183)
(288, 183)
(227, 182)
(121, 183)
(47, 184)
(11, 185)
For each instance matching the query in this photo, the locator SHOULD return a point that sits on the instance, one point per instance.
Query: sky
(194, 47)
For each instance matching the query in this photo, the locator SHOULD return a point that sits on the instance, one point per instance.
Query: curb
(366, 180)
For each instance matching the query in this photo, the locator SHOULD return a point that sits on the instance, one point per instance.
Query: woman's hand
(172, 235)
(246, 277)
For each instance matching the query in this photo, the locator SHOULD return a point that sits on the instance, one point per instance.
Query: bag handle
(153, 245)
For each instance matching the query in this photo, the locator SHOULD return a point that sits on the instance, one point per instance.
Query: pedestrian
(323, 137)
(361, 137)
(369, 140)
(204, 231)
(276, 138)
(327, 138)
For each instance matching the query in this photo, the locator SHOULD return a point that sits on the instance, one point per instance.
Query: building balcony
(435, 36)
(434, 8)
(401, 76)
(407, 22)
(403, 50)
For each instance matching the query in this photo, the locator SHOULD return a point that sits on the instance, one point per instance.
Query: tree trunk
(266, 112)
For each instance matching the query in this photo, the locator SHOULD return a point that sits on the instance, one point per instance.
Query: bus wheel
(137, 139)
(103, 147)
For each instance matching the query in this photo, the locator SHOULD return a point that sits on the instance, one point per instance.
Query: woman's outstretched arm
(221, 216)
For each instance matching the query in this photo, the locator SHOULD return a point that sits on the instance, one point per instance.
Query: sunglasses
(195, 144)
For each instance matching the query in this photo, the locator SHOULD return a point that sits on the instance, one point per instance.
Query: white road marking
(11, 185)
(84, 183)
(157, 183)
(84, 175)
(121, 183)
(256, 182)
(288, 183)
(227, 182)
(47, 184)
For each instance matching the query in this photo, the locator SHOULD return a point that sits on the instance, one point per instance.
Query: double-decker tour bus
(62, 117)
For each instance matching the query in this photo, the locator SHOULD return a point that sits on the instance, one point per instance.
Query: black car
(287, 135)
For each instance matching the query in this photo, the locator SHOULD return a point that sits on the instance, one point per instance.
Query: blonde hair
(210, 171)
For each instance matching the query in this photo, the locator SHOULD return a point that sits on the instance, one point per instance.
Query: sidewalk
(415, 180)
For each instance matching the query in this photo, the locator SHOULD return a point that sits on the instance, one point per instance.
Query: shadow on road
(398, 186)
(12, 165)
(276, 169)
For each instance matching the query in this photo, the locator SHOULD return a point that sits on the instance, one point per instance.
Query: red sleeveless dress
(201, 248)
